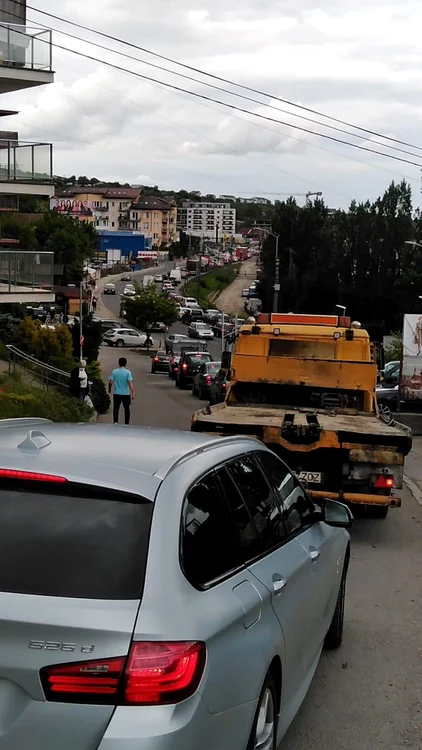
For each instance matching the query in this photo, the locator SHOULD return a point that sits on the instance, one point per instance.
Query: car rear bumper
(187, 726)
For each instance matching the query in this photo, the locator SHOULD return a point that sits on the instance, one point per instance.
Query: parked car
(126, 277)
(245, 293)
(158, 278)
(126, 337)
(218, 388)
(108, 325)
(184, 273)
(174, 338)
(390, 374)
(200, 330)
(203, 379)
(189, 364)
(110, 289)
(160, 362)
(255, 571)
(387, 397)
(158, 327)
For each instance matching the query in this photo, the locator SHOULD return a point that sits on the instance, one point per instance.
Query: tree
(92, 334)
(148, 307)
(46, 344)
(71, 242)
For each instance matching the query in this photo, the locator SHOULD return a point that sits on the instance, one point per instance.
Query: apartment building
(155, 217)
(104, 207)
(26, 168)
(209, 220)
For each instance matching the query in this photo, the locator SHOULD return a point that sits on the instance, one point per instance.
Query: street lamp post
(276, 274)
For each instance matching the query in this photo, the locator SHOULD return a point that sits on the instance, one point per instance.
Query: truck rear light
(208, 380)
(384, 481)
(154, 673)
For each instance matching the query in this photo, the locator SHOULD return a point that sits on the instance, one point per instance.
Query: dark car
(203, 379)
(157, 327)
(173, 366)
(189, 364)
(176, 350)
(387, 398)
(193, 313)
(219, 330)
(108, 325)
(219, 387)
(160, 362)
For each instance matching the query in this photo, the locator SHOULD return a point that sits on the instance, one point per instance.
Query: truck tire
(377, 511)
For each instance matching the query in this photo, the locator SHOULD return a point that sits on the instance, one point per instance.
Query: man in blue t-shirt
(123, 390)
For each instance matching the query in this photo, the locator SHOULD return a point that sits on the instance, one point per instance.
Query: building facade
(209, 220)
(153, 216)
(102, 206)
(26, 168)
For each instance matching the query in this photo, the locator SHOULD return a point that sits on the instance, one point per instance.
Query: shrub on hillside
(20, 399)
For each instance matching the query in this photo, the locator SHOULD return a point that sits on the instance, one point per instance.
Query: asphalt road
(368, 694)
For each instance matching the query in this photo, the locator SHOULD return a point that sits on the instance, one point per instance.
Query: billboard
(71, 207)
(411, 377)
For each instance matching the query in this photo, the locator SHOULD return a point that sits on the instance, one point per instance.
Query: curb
(414, 489)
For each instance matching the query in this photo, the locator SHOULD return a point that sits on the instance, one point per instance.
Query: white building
(25, 168)
(209, 220)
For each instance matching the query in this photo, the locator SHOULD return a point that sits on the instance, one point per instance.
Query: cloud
(360, 63)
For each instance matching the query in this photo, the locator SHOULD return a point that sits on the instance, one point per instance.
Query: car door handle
(314, 553)
(278, 583)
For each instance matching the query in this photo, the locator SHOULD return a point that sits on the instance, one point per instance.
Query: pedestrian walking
(124, 392)
(94, 304)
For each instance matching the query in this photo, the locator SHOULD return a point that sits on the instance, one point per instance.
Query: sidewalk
(413, 470)
(231, 301)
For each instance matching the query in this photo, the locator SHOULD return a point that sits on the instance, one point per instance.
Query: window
(207, 548)
(85, 542)
(155, 215)
(112, 223)
(146, 225)
(155, 235)
(297, 506)
(259, 522)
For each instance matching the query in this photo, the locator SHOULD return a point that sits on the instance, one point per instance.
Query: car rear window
(200, 358)
(83, 543)
(213, 368)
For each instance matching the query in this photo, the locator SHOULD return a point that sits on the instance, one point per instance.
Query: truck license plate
(311, 477)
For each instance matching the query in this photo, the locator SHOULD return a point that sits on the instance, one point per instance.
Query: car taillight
(156, 359)
(384, 481)
(223, 387)
(184, 366)
(154, 673)
(31, 476)
(208, 379)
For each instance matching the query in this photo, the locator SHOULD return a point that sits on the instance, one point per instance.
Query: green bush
(20, 399)
(211, 284)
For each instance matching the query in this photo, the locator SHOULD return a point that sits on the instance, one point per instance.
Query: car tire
(377, 511)
(264, 727)
(120, 343)
(334, 637)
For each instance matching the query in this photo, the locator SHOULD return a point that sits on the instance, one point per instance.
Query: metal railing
(47, 375)
(24, 161)
(25, 270)
(25, 47)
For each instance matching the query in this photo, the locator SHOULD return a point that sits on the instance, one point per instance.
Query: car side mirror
(336, 514)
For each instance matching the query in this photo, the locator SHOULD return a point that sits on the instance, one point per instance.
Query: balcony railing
(23, 271)
(22, 161)
(9, 203)
(23, 47)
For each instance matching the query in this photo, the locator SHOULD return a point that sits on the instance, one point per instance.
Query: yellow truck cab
(305, 386)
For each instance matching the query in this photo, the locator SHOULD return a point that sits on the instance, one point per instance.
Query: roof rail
(164, 471)
(24, 422)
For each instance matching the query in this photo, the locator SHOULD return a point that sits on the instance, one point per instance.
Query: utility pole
(276, 275)
(81, 338)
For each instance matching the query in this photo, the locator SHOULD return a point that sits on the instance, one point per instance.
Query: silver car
(198, 330)
(159, 590)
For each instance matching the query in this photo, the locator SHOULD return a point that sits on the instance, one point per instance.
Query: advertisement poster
(411, 380)
(71, 207)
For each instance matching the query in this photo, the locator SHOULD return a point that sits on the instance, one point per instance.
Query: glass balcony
(24, 47)
(25, 272)
(21, 161)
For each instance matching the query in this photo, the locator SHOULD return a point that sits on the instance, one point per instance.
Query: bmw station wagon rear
(129, 619)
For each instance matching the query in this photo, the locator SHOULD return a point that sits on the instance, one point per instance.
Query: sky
(358, 62)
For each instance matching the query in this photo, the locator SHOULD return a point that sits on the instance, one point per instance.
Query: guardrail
(47, 375)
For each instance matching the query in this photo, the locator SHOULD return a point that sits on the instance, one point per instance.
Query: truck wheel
(334, 637)
(376, 511)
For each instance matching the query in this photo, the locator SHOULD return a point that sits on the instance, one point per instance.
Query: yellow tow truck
(305, 386)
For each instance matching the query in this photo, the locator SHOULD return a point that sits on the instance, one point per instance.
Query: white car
(129, 291)
(126, 337)
(190, 302)
(245, 293)
(182, 310)
(200, 331)
(158, 277)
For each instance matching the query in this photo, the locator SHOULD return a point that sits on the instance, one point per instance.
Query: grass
(211, 284)
(19, 398)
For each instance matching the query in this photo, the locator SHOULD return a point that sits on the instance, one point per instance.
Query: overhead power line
(223, 80)
(227, 105)
(213, 86)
